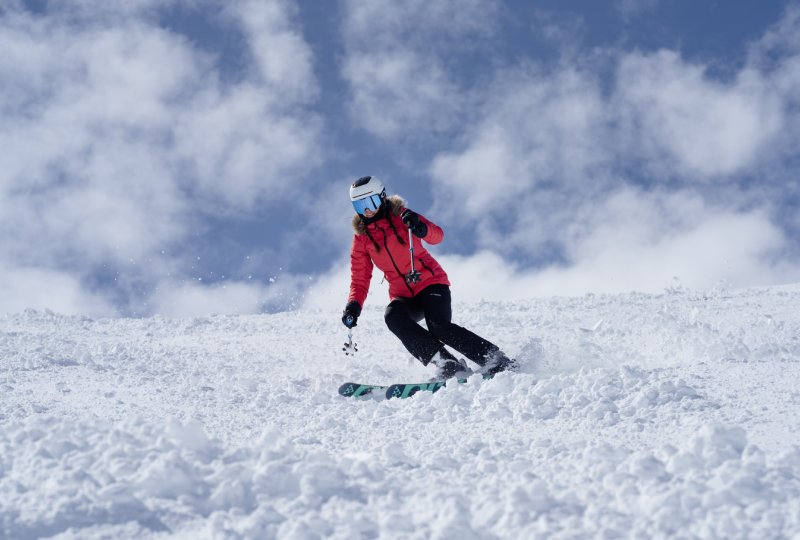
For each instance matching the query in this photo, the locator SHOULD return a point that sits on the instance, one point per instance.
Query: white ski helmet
(367, 193)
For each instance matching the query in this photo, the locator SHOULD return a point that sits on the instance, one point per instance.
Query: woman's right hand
(351, 313)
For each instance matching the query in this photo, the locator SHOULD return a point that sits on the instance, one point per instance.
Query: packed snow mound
(632, 416)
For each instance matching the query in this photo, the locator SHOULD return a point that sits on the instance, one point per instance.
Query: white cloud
(561, 129)
(417, 24)
(396, 62)
(632, 8)
(539, 128)
(329, 290)
(641, 242)
(780, 42)
(283, 57)
(776, 57)
(533, 179)
(89, 12)
(701, 128)
(29, 287)
(187, 298)
(239, 150)
(119, 135)
(196, 299)
(398, 92)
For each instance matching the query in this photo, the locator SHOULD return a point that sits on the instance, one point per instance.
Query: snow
(671, 415)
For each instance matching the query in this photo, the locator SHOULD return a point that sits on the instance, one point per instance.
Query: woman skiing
(418, 289)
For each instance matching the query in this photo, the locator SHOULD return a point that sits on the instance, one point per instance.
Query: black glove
(351, 313)
(412, 221)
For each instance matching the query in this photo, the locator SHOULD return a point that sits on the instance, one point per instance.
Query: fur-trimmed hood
(394, 203)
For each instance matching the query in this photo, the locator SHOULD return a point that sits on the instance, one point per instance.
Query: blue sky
(188, 156)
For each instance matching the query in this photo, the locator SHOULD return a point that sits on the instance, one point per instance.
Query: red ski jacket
(391, 256)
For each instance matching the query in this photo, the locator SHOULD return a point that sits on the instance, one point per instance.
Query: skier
(418, 287)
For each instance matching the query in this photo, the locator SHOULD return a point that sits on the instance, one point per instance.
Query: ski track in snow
(643, 416)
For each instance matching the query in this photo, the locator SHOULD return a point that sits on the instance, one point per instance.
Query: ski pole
(413, 276)
(349, 347)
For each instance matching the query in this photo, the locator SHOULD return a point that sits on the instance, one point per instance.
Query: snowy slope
(634, 416)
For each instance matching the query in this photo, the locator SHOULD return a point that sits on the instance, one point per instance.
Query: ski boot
(497, 362)
(448, 366)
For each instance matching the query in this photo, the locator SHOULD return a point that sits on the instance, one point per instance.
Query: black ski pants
(433, 304)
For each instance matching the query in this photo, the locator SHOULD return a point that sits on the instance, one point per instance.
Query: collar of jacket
(382, 223)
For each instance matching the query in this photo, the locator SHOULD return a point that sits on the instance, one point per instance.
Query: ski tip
(347, 389)
(358, 390)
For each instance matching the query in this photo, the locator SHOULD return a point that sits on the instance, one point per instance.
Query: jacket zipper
(395, 264)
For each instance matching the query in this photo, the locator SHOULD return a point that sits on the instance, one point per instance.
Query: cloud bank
(626, 181)
(120, 137)
(396, 62)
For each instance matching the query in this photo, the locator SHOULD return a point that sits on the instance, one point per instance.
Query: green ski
(360, 391)
(401, 390)
(404, 391)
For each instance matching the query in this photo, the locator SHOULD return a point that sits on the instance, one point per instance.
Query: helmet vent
(361, 181)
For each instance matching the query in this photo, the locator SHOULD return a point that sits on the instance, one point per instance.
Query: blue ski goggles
(371, 202)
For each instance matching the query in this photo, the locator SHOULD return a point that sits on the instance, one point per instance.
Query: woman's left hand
(412, 221)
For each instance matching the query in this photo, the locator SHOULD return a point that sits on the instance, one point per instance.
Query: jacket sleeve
(435, 233)
(360, 271)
